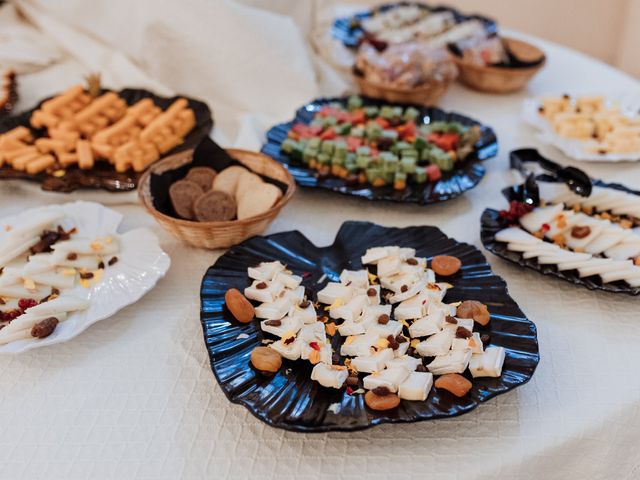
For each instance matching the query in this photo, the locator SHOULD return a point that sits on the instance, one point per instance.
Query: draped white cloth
(134, 396)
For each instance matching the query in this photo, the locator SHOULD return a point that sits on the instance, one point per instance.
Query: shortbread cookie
(214, 206)
(227, 179)
(247, 182)
(203, 176)
(183, 194)
(258, 200)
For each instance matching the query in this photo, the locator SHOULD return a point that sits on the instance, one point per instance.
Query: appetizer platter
(588, 127)
(386, 325)
(364, 147)
(591, 240)
(65, 267)
(408, 21)
(98, 139)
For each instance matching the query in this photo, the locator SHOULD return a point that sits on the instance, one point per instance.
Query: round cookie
(203, 176)
(247, 182)
(183, 194)
(215, 206)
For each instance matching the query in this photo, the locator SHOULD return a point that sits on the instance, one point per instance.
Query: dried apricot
(454, 383)
(445, 265)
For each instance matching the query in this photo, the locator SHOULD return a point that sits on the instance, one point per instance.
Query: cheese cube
(287, 324)
(438, 344)
(405, 361)
(275, 310)
(453, 362)
(429, 325)
(372, 363)
(487, 364)
(416, 387)
(330, 376)
(265, 271)
(389, 377)
(358, 345)
(334, 291)
(288, 280)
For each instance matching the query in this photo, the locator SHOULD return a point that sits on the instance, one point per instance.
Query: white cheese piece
(265, 270)
(596, 227)
(14, 251)
(87, 246)
(371, 313)
(534, 220)
(351, 310)
(392, 328)
(460, 322)
(542, 249)
(624, 250)
(401, 350)
(351, 327)
(21, 326)
(19, 291)
(629, 273)
(305, 315)
(516, 235)
(612, 266)
(288, 280)
(411, 308)
(374, 255)
(564, 221)
(356, 278)
(326, 352)
(334, 291)
(389, 377)
(389, 266)
(416, 387)
(473, 343)
(296, 295)
(405, 361)
(358, 345)
(608, 238)
(59, 259)
(287, 324)
(574, 265)
(372, 299)
(330, 376)
(453, 362)
(429, 325)
(275, 310)
(487, 364)
(56, 280)
(438, 344)
(405, 253)
(266, 295)
(563, 256)
(290, 351)
(372, 363)
(410, 291)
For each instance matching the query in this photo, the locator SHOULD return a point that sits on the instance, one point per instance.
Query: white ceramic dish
(141, 263)
(577, 149)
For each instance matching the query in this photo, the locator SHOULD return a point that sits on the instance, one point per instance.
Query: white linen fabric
(134, 396)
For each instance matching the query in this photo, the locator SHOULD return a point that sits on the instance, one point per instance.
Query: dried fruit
(304, 304)
(404, 288)
(383, 319)
(381, 402)
(352, 380)
(261, 286)
(412, 261)
(445, 265)
(580, 232)
(266, 359)
(273, 323)
(450, 319)
(112, 261)
(462, 332)
(474, 309)
(372, 292)
(44, 328)
(239, 306)
(454, 383)
(72, 256)
(25, 303)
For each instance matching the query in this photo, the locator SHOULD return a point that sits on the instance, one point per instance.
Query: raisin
(112, 261)
(372, 292)
(381, 391)
(44, 328)
(261, 286)
(352, 380)
(412, 261)
(304, 304)
(580, 232)
(404, 288)
(72, 256)
(462, 332)
(86, 275)
(421, 368)
(383, 319)
(273, 323)
(450, 319)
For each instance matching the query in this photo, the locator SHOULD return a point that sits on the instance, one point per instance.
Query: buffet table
(134, 396)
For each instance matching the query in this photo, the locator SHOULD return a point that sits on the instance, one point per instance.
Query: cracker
(258, 200)
(227, 179)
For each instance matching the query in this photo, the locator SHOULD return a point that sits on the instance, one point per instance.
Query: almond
(454, 383)
(266, 359)
(239, 306)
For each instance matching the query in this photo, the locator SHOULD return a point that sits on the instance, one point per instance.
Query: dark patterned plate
(350, 33)
(290, 399)
(103, 176)
(491, 224)
(465, 176)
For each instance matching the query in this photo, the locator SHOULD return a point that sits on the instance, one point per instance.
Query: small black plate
(103, 176)
(350, 33)
(491, 224)
(290, 399)
(465, 176)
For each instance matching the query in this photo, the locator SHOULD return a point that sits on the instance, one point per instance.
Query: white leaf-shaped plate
(141, 263)
(579, 149)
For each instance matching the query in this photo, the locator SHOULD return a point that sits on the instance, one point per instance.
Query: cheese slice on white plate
(59, 280)
(574, 265)
(595, 228)
(85, 246)
(628, 274)
(19, 291)
(60, 259)
(535, 219)
(564, 256)
(608, 238)
(27, 228)
(13, 251)
(25, 322)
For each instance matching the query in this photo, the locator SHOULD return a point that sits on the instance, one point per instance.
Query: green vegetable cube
(387, 112)
(371, 111)
(328, 147)
(411, 114)
(354, 102)
(289, 145)
(420, 175)
(408, 165)
(323, 159)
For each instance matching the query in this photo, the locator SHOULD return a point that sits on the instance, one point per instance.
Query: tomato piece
(447, 141)
(357, 117)
(433, 173)
(382, 122)
(353, 143)
(407, 130)
(328, 134)
(314, 129)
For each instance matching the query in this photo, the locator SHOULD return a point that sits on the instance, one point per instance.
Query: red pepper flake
(349, 390)
(545, 228)
(289, 340)
(25, 303)
(315, 346)
(306, 274)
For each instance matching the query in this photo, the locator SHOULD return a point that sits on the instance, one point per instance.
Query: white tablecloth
(134, 396)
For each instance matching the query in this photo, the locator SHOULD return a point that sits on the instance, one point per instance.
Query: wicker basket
(218, 234)
(501, 79)
(427, 95)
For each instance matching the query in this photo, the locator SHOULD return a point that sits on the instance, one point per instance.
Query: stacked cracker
(606, 128)
(82, 129)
